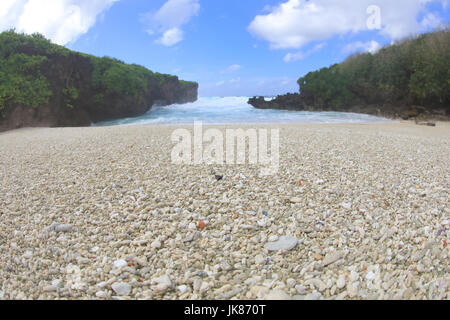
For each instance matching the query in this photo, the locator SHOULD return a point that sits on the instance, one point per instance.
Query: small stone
(291, 283)
(352, 290)
(101, 294)
(142, 261)
(95, 249)
(259, 259)
(260, 292)
(278, 295)
(121, 288)
(120, 264)
(313, 296)
(300, 289)
(204, 287)
(230, 294)
(340, 284)
(164, 280)
(50, 288)
(182, 288)
(261, 223)
(317, 256)
(157, 244)
(225, 266)
(201, 225)
(332, 257)
(161, 287)
(296, 200)
(284, 243)
(346, 205)
(370, 275)
(420, 268)
(316, 283)
(56, 282)
(192, 226)
(197, 284)
(63, 228)
(28, 254)
(354, 276)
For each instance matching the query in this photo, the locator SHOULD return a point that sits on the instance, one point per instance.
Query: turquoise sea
(235, 110)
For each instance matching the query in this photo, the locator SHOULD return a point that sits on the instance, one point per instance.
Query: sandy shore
(355, 212)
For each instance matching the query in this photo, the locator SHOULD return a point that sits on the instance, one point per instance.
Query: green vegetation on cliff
(35, 73)
(411, 72)
(21, 80)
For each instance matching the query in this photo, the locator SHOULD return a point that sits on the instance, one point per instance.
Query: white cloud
(431, 21)
(302, 55)
(171, 37)
(62, 21)
(370, 46)
(295, 23)
(249, 87)
(169, 19)
(232, 68)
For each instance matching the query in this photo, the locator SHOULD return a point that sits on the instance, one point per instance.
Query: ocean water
(235, 110)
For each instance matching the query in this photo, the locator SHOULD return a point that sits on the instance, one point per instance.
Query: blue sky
(233, 47)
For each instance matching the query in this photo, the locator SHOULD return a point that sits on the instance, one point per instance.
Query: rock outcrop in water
(43, 84)
(295, 102)
(407, 80)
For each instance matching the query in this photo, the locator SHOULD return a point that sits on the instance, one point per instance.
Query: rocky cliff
(295, 102)
(42, 84)
(407, 80)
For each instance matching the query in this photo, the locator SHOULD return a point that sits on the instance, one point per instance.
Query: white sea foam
(235, 110)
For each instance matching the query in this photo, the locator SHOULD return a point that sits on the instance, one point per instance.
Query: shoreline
(441, 126)
(102, 213)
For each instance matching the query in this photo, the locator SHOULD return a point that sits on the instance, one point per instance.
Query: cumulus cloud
(295, 23)
(370, 46)
(169, 19)
(232, 68)
(268, 86)
(171, 37)
(62, 21)
(431, 21)
(302, 55)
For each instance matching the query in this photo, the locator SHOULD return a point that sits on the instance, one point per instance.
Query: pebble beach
(356, 211)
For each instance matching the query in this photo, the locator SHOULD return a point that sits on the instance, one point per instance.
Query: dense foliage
(414, 71)
(21, 80)
(34, 72)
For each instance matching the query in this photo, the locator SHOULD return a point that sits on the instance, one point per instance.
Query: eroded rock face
(78, 70)
(55, 114)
